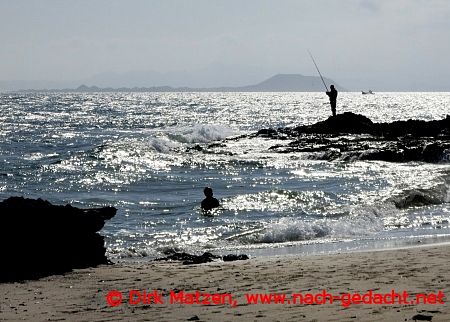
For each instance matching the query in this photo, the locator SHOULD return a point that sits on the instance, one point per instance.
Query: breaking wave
(422, 197)
(162, 145)
(360, 222)
(201, 133)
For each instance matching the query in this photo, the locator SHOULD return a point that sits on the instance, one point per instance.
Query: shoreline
(312, 248)
(81, 294)
(356, 246)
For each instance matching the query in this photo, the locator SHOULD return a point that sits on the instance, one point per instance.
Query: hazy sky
(378, 44)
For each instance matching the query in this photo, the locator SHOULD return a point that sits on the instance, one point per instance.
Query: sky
(361, 44)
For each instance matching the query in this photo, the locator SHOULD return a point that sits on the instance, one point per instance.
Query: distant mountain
(277, 83)
(23, 85)
(292, 83)
(213, 75)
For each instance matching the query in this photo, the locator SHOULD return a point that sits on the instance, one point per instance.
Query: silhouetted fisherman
(332, 94)
(209, 202)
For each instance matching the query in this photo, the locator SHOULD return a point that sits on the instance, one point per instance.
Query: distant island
(277, 83)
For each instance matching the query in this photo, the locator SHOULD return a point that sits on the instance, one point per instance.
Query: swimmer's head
(208, 192)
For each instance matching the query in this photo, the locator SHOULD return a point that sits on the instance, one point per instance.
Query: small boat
(368, 92)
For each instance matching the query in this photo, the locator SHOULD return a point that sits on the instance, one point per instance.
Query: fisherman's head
(208, 192)
(332, 86)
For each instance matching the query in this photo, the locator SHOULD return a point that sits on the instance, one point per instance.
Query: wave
(362, 221)
(422, 197)
(201, 133)
(162, 145)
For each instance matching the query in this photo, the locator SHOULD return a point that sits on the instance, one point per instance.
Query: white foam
(360, 222)
(201, 133)
(162, 144)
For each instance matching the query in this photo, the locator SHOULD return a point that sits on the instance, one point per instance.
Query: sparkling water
(151, 154)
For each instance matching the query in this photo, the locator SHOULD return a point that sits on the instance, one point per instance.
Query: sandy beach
(82, 294)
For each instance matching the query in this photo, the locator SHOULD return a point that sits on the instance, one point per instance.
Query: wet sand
(81, 294)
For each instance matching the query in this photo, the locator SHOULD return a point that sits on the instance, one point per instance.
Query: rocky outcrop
(189, 259)
(350, 136)
(359, 124)
(39, 239)
(233, 257)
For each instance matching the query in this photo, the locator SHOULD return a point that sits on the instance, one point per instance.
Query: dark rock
(189, 259)
(357, 124)
(350, 136)
(195, 148)
(435, 151)
(232, 257)
(40, 239)
(342, 123)
(421, 317)
(267, 132)
(415, 128)
(419, 198)
(217, 145)
(194, 318)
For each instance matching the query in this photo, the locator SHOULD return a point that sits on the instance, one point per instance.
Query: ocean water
(134, 151)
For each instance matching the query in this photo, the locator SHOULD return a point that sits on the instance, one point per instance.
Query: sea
(150, 155)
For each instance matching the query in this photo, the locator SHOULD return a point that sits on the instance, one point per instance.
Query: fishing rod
(318, 69)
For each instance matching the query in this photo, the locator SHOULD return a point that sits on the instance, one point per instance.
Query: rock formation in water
(189, 259)
(350, 136)
(39, 239)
